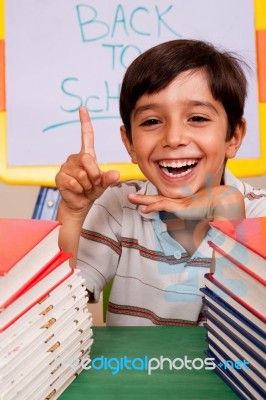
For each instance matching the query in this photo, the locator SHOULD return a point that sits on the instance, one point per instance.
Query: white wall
(17, 201)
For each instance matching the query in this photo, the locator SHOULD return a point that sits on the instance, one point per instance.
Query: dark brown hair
(153, 70)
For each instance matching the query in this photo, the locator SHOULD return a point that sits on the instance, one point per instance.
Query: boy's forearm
(69, 234)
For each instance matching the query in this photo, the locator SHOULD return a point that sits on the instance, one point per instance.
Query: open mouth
(176, 169)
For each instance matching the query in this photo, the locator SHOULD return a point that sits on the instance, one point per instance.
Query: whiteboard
(64, 54)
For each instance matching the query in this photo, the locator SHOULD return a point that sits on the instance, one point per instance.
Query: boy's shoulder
(255, 199)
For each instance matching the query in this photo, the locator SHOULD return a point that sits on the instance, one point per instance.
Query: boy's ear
(128, 144)
(236, 140)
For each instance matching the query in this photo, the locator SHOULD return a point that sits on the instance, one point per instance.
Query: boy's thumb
(109, 178)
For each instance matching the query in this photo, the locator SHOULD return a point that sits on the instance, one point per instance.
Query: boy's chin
(174, 193)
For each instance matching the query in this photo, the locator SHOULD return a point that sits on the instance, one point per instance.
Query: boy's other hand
(221, 202)
(80, 180)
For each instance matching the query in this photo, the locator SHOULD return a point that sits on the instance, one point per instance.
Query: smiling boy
(182, 105)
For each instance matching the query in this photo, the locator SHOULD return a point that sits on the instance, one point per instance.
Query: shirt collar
(231, 180)
(148, 189)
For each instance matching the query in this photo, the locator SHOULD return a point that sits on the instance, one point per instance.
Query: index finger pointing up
(87, 134)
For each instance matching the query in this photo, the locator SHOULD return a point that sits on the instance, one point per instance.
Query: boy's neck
(189, 234)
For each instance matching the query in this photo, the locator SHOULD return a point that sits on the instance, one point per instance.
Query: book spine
(55, 262)
(237, 263)
(39, 299)
(235, 325)
(238, 299)
(232, 381)
(40, 203)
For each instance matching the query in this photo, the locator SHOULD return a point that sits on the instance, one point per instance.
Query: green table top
(152, 342)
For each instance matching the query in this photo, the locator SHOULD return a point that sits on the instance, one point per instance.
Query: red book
(56, 273)
(27, 249)
(243, 242)
(250, 232)
(237, 299)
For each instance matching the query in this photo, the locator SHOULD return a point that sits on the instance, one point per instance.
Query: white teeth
(177, 164)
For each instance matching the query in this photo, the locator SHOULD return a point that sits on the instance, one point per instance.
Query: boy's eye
(198, 118)
(151, 121)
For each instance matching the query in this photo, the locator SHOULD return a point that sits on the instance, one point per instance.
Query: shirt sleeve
(255, 202)
(99, 248)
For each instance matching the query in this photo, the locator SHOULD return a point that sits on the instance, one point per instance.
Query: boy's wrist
(75, 214)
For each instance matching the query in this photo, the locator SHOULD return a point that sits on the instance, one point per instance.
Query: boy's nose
(175, 135)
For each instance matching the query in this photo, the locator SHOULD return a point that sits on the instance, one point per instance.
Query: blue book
(237, 309)
(231, 318)
(232, 362)
(39, 203)
(216, 323)
(237, 379)
(237, 349)
(47, 204)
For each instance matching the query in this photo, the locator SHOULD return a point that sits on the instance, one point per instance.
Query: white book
(52, 327)
(41, 358)
(27, 320)
(67, 362)
(64, 381)
(60, 385)
(56, 393)
(32, 324)
(30, 344)
(33, 375)
(28, 299)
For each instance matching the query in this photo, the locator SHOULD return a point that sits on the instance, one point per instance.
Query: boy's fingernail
(97, 182)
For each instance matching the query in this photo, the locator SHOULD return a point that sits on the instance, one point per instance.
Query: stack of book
(45, 325)
(235, 297)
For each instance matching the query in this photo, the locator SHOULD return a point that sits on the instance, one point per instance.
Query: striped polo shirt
(155, 280)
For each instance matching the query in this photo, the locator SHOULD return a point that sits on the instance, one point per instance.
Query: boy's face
(178, 136)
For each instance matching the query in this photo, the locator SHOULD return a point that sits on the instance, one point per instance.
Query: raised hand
(80, 180)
